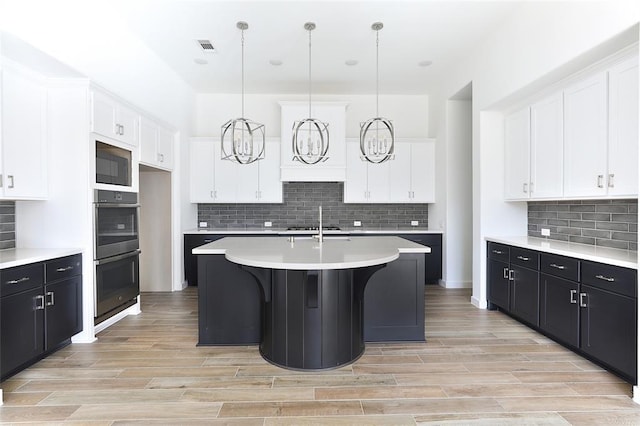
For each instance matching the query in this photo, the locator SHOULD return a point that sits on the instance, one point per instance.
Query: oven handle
(117, 206)
(119, 257)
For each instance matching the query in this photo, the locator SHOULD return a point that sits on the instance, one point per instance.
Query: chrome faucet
(319, 237)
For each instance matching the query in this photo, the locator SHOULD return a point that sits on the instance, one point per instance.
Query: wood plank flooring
(477, 367)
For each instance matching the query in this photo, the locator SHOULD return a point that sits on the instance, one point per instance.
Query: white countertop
(308, 254)
(624, 258)
(282, 231)
(23, 256)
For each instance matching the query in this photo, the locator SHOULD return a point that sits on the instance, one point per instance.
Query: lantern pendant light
(377, 134)
(242, 139)
(310, 142)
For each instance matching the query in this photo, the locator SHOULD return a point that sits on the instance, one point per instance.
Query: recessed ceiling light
(425, 63)
(275, 62)
(351, 62)
(200, 61)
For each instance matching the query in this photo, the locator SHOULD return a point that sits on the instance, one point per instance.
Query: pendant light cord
(242, 72)
(377, 73)
(309, 73)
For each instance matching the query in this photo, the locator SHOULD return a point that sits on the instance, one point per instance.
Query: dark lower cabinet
(433, 260)
(40, 309)
(498, 283)
(192, 241)
(559, 309)
(524, 294)
(608, 327)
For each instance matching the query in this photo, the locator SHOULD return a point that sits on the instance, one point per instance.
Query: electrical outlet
(357, 223)
(267, 224)
(545, 232)
(202, 224)
(120, 226)
(414, 223)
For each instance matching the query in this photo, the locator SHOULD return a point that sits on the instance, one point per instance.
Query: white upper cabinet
(546, 164)
(585, 137)
(622, 174)
(214, 180)
(331, 170)
(156, 144)
(112, 119)
(365, 182)
(412, 172)
(517, 135)
(23, 147)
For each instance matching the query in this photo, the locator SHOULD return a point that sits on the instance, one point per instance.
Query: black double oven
(117, 251)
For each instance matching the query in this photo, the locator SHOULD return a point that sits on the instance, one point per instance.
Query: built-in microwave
(113, 165)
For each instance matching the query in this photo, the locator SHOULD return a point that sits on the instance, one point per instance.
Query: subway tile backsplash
(300, 207)
(607, 223)
(7, 224)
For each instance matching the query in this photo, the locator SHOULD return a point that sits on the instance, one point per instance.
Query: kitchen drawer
(523, 257)
(21, 278)
(64, 267)
(608, 277)
(499, 252)
(560, 266)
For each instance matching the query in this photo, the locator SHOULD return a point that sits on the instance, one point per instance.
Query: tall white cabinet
(517, 134)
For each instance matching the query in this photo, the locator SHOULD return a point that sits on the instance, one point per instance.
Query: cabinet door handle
(19, 280)
(561, 267)
(121, 130)
(582, 302)
(39, 303)
(505, 273)
(602, 277)
(511, 275)
(50, 301)
(610, 180)
(531, 187)
(600, 178)
(68, 268)
(497, 251)
(11, 185)
(0, 181)
(523, 258)
(572, 299)
(524, 188)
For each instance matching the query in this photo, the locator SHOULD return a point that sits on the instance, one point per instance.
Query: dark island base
(310, 320)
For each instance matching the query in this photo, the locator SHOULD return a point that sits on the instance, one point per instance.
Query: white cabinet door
(112, 119)
(546, 148)
(377, 181)
(400, 174)
(423, 162)
(246, 177)
(23, 142)
(516, 155)
(225, 176)
(201, 175)
(148, 141)
(128, 120)
(270, 185)
(165, 148)
(355, 185)
(622, 175)
(585, 137)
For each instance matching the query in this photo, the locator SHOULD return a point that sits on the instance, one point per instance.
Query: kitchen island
(302, 300)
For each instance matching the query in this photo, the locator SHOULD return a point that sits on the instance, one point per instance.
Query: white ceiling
(414, 31)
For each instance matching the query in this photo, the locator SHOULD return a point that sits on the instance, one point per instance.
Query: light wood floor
(477, 367)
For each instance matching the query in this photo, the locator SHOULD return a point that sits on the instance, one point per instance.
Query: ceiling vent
(206, 46)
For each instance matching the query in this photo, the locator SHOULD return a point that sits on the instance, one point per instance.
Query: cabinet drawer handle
(608, 279)
(19, 280)
(582, 302)
(523, 258)
(600, 178)
(50, 302)
(505, 273)
(497, 251)
(572, 299)
(65, 269)
(561, 267)
(39, 305)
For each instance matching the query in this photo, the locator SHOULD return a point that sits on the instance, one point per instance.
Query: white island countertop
(611, 256)
(308, 254)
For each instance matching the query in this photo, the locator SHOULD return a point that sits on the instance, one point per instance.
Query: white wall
(408, 113)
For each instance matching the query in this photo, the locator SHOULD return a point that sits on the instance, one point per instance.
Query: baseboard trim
(636, 394)
(480, 304)
(455, 284)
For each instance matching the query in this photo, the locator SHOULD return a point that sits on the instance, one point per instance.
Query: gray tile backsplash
(300, 207)
(607, 223)
(7, 224)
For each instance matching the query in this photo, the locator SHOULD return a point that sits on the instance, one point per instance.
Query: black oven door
(116, 229)
(117, 281)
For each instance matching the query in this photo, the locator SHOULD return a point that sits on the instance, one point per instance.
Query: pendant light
(376, 134)
(242, 139)
(310, 142)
